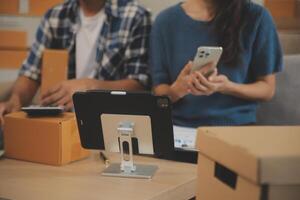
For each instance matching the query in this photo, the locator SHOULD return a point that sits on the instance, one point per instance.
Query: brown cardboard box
(13, 40)
(249, 163)
(54, 68)
(40, 7)
(12, 59)
(35, 7)
(48, 140)
(282, 8)
(9, 7)
(286, 13)
(292, 24)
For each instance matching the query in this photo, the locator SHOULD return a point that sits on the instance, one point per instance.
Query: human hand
(200, 85)
(61, 94)
(221, 83)
(180, 87)
(5, 108)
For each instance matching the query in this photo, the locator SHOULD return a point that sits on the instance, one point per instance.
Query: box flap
(54, 68)
(266, 155)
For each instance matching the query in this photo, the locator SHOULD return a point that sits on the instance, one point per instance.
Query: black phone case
(39, 112)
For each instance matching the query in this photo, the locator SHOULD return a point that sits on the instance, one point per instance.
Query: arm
(27, 84)
(266, 60)
(22, 93)
(136, 66)
(61, 94)
(179, 88)
(261, 90)
(127, 84)
(167, 90)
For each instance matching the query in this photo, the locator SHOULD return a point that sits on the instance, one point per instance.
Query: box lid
(265, 155)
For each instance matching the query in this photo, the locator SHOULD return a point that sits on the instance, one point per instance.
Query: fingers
(205, 69)
(218, 79)
(197, 84)
(211, 86)
(1, 118)
(3, 111)
(208, 66)
(187, 68)
(63, 101)
(69, 106)
(54, 98)
(51, 91)
(213, 74)
(195, 87)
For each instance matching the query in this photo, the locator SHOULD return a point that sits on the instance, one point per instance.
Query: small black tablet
(36, 111)
(98, 112)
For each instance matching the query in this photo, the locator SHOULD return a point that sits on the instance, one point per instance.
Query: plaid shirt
(122, 50)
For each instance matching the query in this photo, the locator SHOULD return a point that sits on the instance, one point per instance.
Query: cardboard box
(249, 163)
(286, 13)
(40, 7)
(9, 7)
(282, 8)
(47, 140)
(13, 40)
(27, 7)
(54, 68)
(292, 24)
(12, 59)
(290, 41)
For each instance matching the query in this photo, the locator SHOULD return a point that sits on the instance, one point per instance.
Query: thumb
(187, 68)
(219, 78)
(213, 75)
(2, 112)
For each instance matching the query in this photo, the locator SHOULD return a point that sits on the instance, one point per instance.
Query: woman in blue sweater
(245, 74)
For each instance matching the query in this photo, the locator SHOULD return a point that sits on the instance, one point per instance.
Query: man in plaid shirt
(107, 37)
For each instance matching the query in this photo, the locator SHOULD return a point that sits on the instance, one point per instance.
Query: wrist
(228, 88)
(89, 84)
(14, 103)
(177, 92)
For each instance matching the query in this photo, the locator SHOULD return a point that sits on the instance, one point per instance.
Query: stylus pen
(104, 158)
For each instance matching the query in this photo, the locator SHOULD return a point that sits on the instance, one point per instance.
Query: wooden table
(83, 180)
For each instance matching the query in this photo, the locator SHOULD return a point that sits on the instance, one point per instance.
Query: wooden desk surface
(83, 180)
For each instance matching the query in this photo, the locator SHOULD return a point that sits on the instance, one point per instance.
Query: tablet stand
(127, 168)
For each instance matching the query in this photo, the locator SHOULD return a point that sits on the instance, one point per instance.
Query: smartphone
(206, 55)
(37, 111)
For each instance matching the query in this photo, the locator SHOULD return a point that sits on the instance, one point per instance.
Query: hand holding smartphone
(206, 60)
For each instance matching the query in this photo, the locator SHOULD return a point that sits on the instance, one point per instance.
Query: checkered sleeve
(136, 64)
(31, 67)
